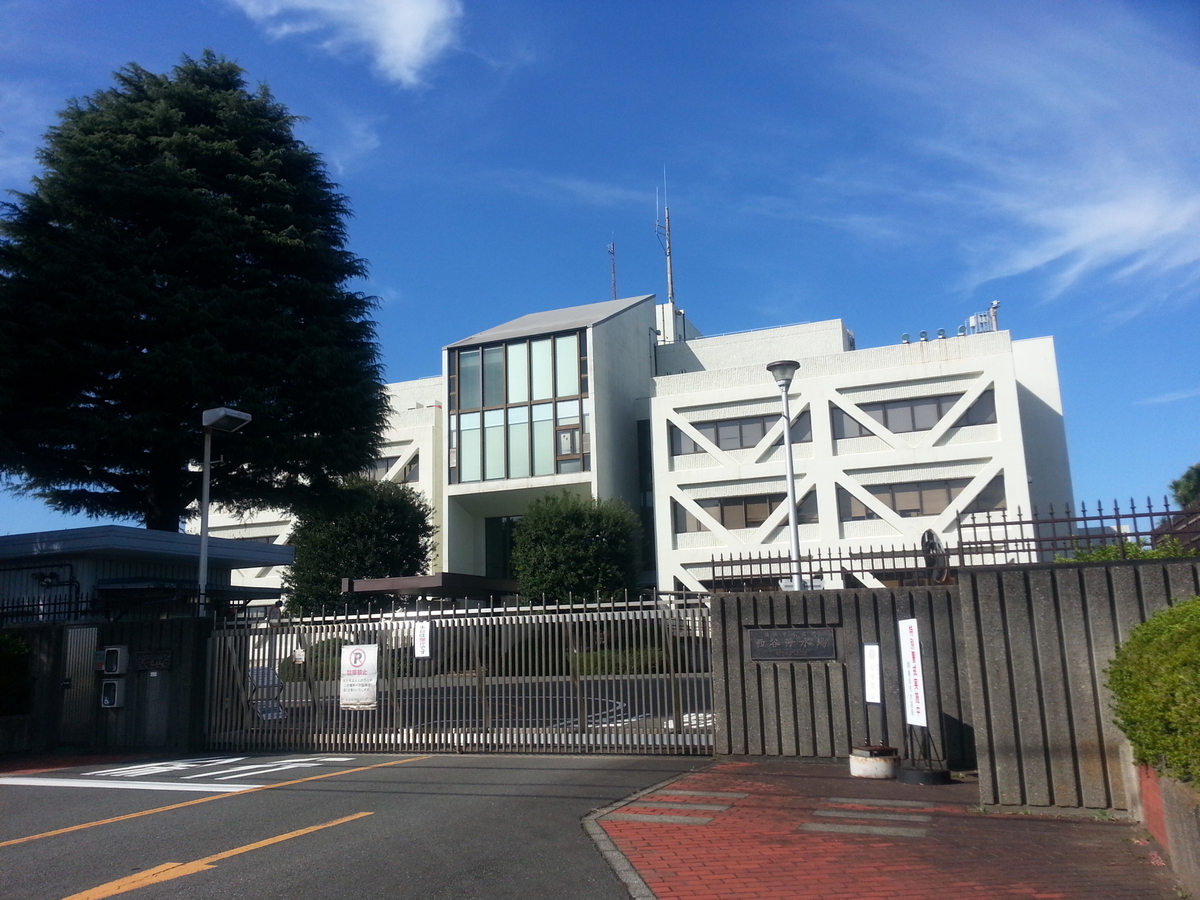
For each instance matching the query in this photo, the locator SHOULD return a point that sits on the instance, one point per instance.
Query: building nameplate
(792, 643)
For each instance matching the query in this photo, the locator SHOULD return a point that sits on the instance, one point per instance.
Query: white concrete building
(888, 442)
(625, 399)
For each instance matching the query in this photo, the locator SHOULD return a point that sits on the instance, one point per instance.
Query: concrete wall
(621, 357)
(818, 708)
(1036, 367)
(1014, 661)
(1038, 639)
(164, 689)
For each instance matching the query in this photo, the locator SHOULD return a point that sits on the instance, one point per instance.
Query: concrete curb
(621, 866)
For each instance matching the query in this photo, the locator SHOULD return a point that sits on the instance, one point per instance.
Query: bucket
(874, 762)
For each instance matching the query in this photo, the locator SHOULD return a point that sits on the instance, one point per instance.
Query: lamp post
(218, 419)
(783, 371)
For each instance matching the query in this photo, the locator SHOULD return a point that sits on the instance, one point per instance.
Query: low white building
(888, 442)
(625, 399)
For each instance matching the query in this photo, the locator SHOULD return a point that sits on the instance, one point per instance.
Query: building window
(991, 499)
(897, 416)
(912, 499)
(380, 468)
(520, 408)
(412, 470)
(731, 512)
(846, 427)
(981, 412)
(738, 434)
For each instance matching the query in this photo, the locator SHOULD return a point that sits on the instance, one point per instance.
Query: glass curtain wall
(520, 409)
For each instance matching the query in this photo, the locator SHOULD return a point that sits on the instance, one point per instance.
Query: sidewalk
(805, 830)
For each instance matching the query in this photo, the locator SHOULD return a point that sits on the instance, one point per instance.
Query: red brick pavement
(756, 848)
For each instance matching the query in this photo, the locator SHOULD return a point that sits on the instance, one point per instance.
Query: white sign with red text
(421, 640)
(914, 680)
(360, 676)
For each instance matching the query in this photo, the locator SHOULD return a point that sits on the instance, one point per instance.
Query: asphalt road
(334, 826)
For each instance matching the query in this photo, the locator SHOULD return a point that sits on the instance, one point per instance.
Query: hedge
(1155, 682)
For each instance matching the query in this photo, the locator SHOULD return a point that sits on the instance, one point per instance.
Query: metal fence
(631, 677)
(91, 607)
(976, 540)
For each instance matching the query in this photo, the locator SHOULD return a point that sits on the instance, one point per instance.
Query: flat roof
(553, 320)
(110, 541)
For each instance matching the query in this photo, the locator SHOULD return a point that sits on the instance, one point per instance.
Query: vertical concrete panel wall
(35, 730)
(164, 688)
(1037, 642)
(817, 708)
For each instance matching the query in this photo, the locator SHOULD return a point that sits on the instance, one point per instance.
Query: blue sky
(899, 165)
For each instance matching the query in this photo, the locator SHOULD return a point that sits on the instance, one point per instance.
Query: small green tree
(1186, 487)
(371, 529)
(1155, 682)
(569, 545)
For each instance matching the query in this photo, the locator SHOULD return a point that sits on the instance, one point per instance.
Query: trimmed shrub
(1167, 548)
(323, 662)
(1155, 682)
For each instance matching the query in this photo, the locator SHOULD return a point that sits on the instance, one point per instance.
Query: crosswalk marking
(667, 804)
(885, 830)
(856, 814)
(129, 785)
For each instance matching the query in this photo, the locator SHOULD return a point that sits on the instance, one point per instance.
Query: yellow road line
(150, 812)
(170, 871)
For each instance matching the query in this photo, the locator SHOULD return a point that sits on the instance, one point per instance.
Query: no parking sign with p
(360, 676)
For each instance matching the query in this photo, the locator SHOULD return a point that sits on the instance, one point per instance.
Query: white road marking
(264, 768)
(162, 768)
(129, 785)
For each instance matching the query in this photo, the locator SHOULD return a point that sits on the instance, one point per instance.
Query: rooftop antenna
(664, 235)
(612, 260)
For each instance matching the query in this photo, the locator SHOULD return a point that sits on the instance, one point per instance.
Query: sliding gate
(632, 678)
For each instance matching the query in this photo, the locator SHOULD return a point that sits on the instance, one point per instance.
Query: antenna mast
(612, 259)
(667, 244)
(663, 230)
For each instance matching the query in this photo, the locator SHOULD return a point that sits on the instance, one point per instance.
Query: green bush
(1155, 682)
(1167, 548)
(323, 662)
(567, 545)
(14, 676)
(638, 661)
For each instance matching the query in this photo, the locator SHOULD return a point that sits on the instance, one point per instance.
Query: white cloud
(1173, 397)
(351, 139)
(1053, 140)
(559, 189)
(403, 36)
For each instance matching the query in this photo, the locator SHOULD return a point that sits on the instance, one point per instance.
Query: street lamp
(219, 419)
(783, 371)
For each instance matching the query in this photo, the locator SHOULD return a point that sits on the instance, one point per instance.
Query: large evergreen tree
(181, 250)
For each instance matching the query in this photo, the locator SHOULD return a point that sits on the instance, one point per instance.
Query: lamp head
(783, 371)
(224, 419)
